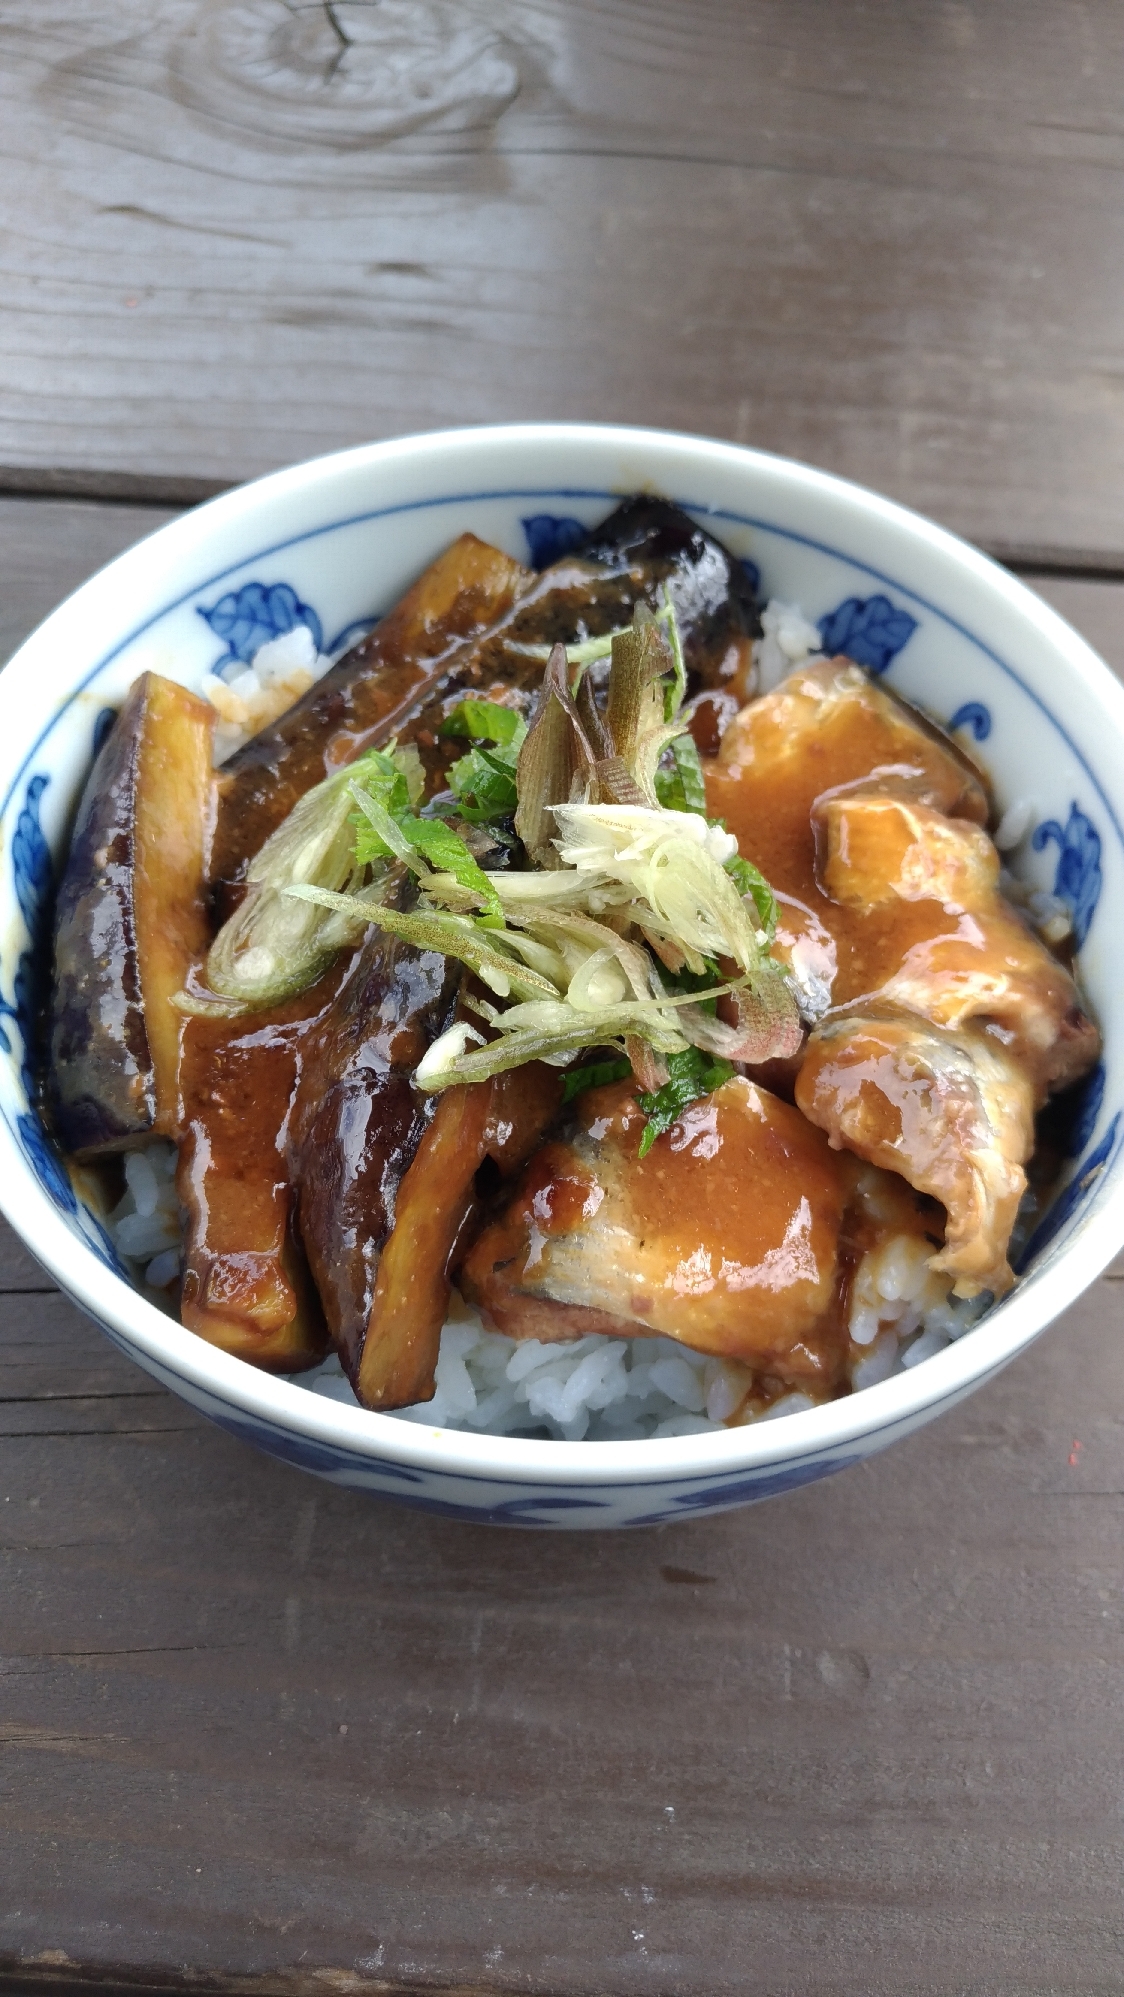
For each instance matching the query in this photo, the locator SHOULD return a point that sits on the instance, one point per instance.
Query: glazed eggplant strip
(242, 1283)
(364, 697)
(246, 1285)
(357, 1120)
(131, 919)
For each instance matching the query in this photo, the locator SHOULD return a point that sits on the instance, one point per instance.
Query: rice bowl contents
(582, 964)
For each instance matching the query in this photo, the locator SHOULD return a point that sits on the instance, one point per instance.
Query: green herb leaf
(682, 788)
(483, 783)
(749, 881)
(594, 1075)
(690, 1075)
(447, 853)
(486, 721)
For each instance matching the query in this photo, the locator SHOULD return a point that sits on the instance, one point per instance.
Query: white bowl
(334, 542)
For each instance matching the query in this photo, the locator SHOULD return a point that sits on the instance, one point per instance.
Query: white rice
(279, 672)
(146, 1225)
(788, 639)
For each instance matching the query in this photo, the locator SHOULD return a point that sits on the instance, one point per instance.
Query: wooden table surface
(258, 1734)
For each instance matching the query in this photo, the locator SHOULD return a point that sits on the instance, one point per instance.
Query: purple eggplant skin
(100, 1087)
(357, 1120)
(715, 601)
(129, 920)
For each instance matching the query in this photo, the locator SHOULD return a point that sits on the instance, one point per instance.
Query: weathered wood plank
(48, 547)
(887, 240)
(863, 1739)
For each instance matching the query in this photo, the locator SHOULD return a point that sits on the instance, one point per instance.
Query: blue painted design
(1067, 1122)
(1078, 879)
(974, 716)
(248, 617)
(102, 726)
(753, 573)
(871, 632)
(1071, 1198)
(360, 627)
(550, 536)
(46, 1163)
(1090, 1096)
(31, 856)
(33, 875)
(747, 1490)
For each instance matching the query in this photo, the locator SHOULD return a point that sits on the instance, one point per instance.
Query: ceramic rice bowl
(331, 544)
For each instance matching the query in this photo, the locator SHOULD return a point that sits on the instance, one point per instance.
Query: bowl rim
(872, 1416)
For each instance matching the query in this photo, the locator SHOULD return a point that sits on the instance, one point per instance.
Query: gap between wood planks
(55, 1975)
(110, 488)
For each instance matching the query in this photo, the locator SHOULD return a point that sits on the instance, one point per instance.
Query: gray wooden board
(887, 239)
(49, 546)
(864, 1739)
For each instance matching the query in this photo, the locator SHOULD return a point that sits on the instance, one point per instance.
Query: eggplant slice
(130, 919)
(465, 628)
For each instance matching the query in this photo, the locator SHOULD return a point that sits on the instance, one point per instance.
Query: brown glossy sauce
(775, 764)
(723, 1236)
(244, 1286)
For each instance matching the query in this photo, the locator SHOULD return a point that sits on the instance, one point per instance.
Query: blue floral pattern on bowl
(1078, 880)
(550, 536)
(33, 879)
(249, 617)
(975, 717)
(872, 632)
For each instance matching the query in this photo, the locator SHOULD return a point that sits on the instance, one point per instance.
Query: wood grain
(48, 547)
(886, 238)
(863, 1739)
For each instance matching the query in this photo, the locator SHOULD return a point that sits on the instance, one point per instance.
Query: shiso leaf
(691, 1075)
(682, 788)
(486, 721)
(750, 881)
(594, 1075)
(484, 782)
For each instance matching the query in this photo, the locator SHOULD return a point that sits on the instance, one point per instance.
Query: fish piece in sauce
(824, 726)
(885, 855)
(952, 1112)
(725, 1236)
(847, 799)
